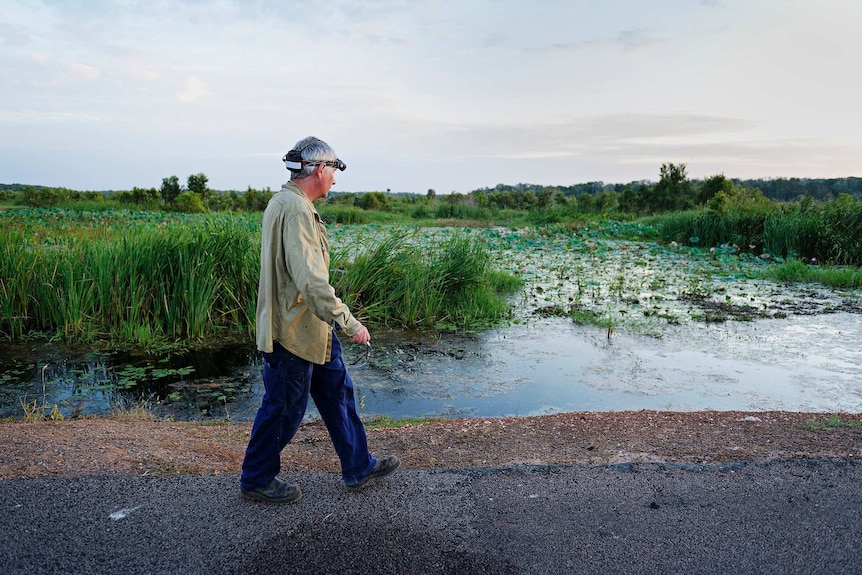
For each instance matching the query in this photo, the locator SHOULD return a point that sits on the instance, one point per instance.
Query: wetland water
(683, 329)
(798, 363)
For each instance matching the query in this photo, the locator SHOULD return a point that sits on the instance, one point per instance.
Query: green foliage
(149, 198)
(461, 212)
(144, 284)
(814, 231)
(400, 282)
(197, 183)
(341, 214)
(835, 421)
(377, 201)
(190, 203)
(738, 228)
(826, 232)
(733, 198)
(673, 191)
(139, 279)
(254, 200)
(45, 197)
(795, 271)
(170, 189)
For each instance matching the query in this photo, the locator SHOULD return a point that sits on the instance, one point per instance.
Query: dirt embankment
(83, 447)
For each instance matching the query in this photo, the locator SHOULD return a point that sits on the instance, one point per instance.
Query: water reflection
(801, 363)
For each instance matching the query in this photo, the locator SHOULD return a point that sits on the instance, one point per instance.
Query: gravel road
(784, 517)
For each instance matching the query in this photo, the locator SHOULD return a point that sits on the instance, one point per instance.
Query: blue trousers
(288, 380)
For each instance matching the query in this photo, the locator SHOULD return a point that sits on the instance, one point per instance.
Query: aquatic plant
(403, 281)
(136, 280)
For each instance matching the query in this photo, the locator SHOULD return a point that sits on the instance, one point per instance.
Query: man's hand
(361, 337)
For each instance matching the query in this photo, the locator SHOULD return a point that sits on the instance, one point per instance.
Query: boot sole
(253, 496)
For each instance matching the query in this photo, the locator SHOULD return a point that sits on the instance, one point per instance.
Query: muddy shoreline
(110, 446)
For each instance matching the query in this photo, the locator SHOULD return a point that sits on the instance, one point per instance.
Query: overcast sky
(452, 95)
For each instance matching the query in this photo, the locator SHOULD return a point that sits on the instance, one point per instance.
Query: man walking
(297, 315)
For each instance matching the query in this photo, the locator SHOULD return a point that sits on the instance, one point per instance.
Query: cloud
(195, 90)
(589, 135)
(632, 40)
(82, 71)
(11, 35)
(628, 40)
(33, 117)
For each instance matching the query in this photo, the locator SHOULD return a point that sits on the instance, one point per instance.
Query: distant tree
(220, 201)
(233, 200)
(607, 201)
(197, 183)
(252, 199)
(480, 198)
(628, 199)
(672, 192)
(373, 201)
(142, 196)
(586, 203)
(39, 197)
(712, 186)
(455, 199)
(431, 194)
(123, 197)
(170, 190)
(341, 198)
(546, 196)
(740, 198)
(190, 203)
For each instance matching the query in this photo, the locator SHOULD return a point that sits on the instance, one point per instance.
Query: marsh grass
(399, 281)
(706, 228)
(149, 287)
(795, 271)
(130, 280)
(829, 233)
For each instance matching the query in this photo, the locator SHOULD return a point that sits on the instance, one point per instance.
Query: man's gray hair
(312, 149)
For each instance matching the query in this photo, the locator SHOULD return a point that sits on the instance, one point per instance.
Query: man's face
(329, 179)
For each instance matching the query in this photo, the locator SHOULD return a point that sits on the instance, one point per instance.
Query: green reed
(825, 232)
(400, 281)
(152, 286)
(795, 271)
(707, 228)
(149, 282)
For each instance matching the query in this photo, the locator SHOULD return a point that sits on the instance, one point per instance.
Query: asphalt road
(782, 517)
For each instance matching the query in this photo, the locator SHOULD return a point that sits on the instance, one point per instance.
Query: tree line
(674, 191)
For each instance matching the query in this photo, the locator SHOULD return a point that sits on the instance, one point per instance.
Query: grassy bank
(134, 279)
(813, 232)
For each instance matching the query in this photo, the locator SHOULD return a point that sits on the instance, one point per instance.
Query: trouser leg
(332, 392)
(286, 380)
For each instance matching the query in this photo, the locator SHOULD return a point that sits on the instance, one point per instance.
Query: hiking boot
(382, 468)
(278, 492)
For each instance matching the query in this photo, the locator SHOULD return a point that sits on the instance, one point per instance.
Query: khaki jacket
(296, 305)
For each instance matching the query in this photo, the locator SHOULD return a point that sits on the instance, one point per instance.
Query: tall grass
(707, 228)
(795, 271)
(151, 287)
(163, 283)
(349, 215)
(401, 283)
(826, 232)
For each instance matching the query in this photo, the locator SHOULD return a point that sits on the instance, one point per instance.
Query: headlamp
(293, 161)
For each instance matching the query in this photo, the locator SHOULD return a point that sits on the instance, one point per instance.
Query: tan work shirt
(296, 305)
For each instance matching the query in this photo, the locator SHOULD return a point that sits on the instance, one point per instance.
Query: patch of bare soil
(86, 447)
